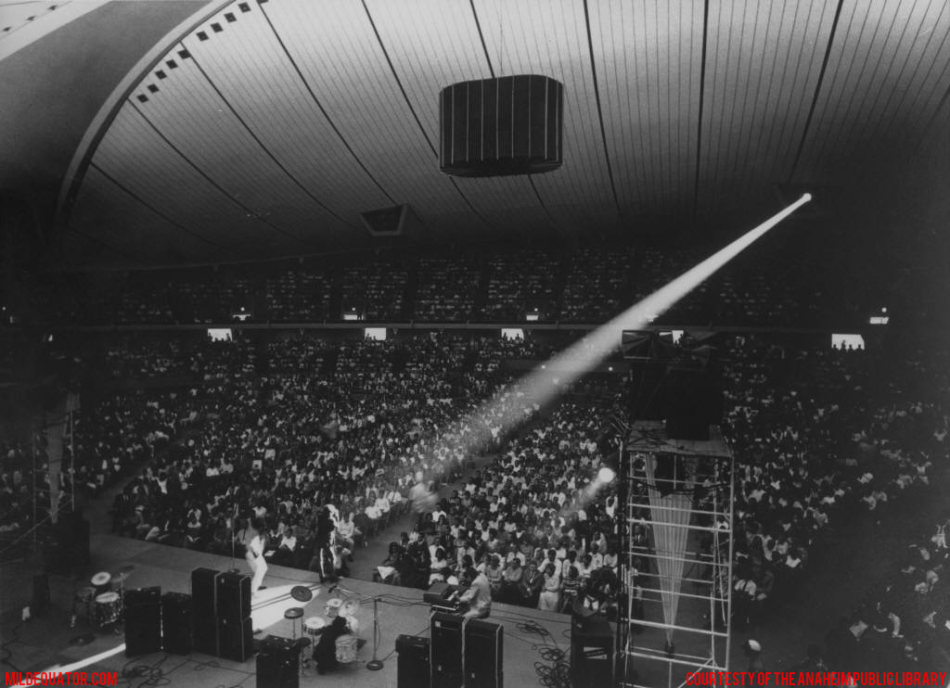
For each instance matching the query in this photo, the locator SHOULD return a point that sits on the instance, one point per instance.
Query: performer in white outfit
(255, 555)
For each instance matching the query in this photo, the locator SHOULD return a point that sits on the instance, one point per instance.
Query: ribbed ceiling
(267, 129)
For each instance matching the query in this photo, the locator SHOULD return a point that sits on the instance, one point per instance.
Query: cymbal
(101, 578)
(123, 573)
(301, 593)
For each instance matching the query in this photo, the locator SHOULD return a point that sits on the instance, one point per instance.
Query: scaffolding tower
(676, 556)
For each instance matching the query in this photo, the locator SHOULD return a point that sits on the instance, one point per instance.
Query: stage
(46, 641)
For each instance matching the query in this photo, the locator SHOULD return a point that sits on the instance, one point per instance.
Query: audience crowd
(325, 442)
(588, 284)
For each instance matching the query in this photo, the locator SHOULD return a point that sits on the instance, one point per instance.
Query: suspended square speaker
(499, 127)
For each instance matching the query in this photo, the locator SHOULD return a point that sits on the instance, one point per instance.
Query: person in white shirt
(478, 595)
(255, 555)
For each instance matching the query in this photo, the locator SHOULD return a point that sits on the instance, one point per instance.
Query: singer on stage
(255, 555)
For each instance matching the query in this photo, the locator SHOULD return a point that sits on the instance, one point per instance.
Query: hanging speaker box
(498, 127)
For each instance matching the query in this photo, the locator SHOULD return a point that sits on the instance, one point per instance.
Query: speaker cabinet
(483, 654)
(203, 591)
(278, 663)
(501, 126)
(445, 655)
(205, 635)
(176, 623)
(412, 665)
(233, 592)
(141, 597)
(235, 639)
(693, 402)
(143, 622)
(592, 652)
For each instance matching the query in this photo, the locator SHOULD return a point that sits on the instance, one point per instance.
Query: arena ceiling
(177, 131)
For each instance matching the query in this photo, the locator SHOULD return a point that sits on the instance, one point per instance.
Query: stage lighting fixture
(606, 475)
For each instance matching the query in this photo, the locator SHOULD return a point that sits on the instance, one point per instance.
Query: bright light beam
(606, 475)
(585, 355)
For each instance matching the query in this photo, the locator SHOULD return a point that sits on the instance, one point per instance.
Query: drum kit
(103, 600)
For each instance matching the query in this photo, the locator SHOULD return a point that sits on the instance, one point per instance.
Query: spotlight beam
(585, 355)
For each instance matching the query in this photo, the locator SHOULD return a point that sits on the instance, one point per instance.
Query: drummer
(324, 654)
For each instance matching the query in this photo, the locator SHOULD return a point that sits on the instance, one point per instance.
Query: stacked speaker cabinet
(233, 596)
(236, 639)
(278, 663)
(483, 654)
(143, 621)
(235, 629)
(412, 665)
(445, 651)
(176, 623)
(203, 595)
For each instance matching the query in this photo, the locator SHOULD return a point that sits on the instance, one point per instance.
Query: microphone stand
(233, 568)
(375, 664)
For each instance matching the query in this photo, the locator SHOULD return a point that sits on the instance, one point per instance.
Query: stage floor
(47, 641)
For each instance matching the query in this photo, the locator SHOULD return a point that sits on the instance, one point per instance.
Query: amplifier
(233, 596)
(203, 591)
(445, 650)
(483, 654)
(412, 665)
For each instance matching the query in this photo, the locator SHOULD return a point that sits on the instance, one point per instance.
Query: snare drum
(346, 647)
(314, 626)
(108, 608)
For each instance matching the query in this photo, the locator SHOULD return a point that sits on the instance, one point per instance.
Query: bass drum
(108, 609)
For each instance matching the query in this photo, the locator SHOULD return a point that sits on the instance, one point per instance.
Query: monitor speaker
(278, 663)
(483, 654)
(445, 651)
(592, 652)
(412, 665)
(176, 623)
(235, 639)
(233, 591)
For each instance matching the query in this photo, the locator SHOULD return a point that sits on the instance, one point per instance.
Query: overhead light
(606, 474)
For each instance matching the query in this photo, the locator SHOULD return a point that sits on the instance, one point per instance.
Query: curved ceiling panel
(247, 63)
(887, 72)
(270, 127)
(550, 37)
(763, 61)
(144, 234)
(649, 61)
(165, 179)
(341, 54)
